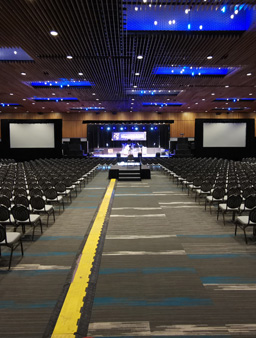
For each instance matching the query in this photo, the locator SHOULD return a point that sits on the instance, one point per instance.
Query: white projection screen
(32, 135)
(224, 135)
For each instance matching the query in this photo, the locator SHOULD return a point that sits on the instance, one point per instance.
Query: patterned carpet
(165, 267)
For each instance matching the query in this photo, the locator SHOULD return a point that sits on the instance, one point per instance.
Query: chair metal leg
(21, 247)
(10, 260)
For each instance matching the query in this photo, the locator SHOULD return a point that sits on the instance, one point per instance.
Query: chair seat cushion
(12, 237)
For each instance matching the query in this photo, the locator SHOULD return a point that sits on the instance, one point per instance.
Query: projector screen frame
(23, 154)
(234, 153)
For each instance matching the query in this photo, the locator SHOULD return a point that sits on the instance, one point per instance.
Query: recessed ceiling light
(15, 52)
(137, 74)
(23, 74)
(139, 57)
(212, 93)
(130, 111)
(136, 8)
(53, 93)
(69, 57)
(132, 103)
(133, 99)
(209, 57)
(168, 99)
(250, 93)
(155, 23)
(196, 103)
(227, 86)
(249, 74)
(145, 1)
(11, 93)
(80, 74)
(232, 16)
(33, 102)
(135, 86)
(97, 99)
(54, 33)
(203, 99)
(24, 99)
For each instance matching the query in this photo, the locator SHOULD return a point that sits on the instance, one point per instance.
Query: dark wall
(25, 154)
(228, 153)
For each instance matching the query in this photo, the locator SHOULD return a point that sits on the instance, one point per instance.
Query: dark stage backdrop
(213, 144)
(99, 136)
(39, 148)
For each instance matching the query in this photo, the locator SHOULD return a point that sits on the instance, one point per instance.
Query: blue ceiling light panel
(152, 92)
(234, 99)
(87, 108)
(186, 18)
(162, 104)
(6, 104)
(14, 54)
(193, 71)
(55, 99)
(61, 84)
(230, 108)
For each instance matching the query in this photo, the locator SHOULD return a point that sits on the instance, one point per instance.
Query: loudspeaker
(157, 154)
(118, 155)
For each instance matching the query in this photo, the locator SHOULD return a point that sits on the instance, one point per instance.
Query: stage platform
(136, 152)
(122, 167)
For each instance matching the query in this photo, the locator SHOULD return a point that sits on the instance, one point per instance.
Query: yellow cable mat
(67, 322)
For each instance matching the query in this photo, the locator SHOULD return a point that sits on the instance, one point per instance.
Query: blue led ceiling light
(161, 104)
(60, 84)
(55, 99)
(231, 108)
(234, 99)
(193, 71)
(182, 18)
(155, 92)
(14, 54)
(5, 104)
(87, 108)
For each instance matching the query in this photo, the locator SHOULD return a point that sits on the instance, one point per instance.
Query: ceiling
(104, 45)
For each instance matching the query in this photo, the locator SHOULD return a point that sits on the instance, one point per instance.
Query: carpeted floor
(168, 268)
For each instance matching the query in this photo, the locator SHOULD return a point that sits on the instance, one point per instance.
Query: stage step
(129, 175)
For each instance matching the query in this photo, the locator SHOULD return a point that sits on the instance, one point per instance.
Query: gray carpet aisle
(30, 291)
(169, 268)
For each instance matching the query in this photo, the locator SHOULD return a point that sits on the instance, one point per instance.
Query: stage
(130, 167)
(135, 152)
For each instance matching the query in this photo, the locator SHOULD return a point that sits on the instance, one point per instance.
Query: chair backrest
(35, 192)
(60, 187)
(2, 233)
(21, 200)
(51, 193)
(234, 191)
(252, 216)
(4, 213)
(7, 192)
(250, 202)
(206, 186)
(5, 201)
(20, 213)
(218, 193)
(37, 202)
(234, 201)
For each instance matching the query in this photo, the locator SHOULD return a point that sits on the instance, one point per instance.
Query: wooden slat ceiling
(93, 32)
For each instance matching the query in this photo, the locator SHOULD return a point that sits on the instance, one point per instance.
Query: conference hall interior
(127, 168)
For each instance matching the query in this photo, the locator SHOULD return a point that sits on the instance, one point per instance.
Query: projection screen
(224, 135)
(32, 135)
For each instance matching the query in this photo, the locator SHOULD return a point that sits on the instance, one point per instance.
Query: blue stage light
(60, 84)
(101, 128)
(114, 128)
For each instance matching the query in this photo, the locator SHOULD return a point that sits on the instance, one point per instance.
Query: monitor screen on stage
(224, 135)
(133, 136)
(31, 135)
